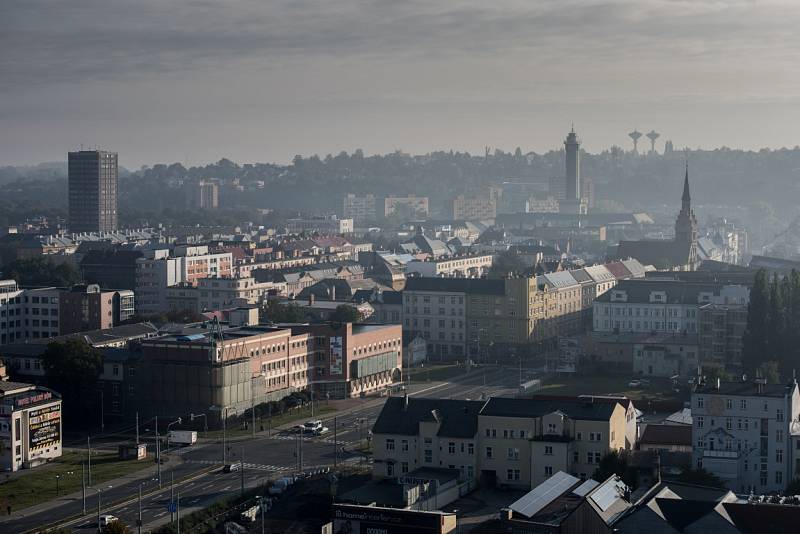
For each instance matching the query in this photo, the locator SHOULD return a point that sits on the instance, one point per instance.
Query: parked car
(107, 519)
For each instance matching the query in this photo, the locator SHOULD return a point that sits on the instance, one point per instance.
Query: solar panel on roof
(543, 494)
(608, 493)
(586, 487)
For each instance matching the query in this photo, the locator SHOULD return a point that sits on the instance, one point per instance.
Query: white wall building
(742, 432)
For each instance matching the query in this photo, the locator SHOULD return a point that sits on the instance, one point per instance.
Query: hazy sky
(262, 80)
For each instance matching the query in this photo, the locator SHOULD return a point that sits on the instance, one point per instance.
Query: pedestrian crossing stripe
(247, 465)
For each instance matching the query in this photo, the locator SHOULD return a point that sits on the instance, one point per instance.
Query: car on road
(107, 519)
(634, 384)
(312, 427)
(231, 468)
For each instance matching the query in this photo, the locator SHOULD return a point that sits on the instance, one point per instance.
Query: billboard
(44, 427)
(336, 355)
(355, 519)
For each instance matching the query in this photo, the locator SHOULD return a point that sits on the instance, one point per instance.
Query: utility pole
(261, 502)
(137, 428)
(335, 445)
(224, 444)
(171, 493)
(253, 407)
(241, 462)
(139, 521)
(178, 510)
(89, 460)
(158, 453)
(98, 510)
(83, 486)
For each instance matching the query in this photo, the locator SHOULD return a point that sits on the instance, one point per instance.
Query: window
(390, 444)
(589, 457)
(404, 467)
(451, 448)
(729, 404)
(728, 423)
(428, 456)
(548, 470)
(778, 477)
(779, 435)
(470, 448)
(512, 474)
(489, 452)
(779, 455)
(579, 436)
(548, 450)
(513, 453)
(576, 457)
(743, 404)
(701, 422)
(551, 428)
(701, 402)
(389, 469)
(521, 434)
(779, 415)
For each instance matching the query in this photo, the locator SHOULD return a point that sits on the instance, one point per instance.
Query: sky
(262, 80)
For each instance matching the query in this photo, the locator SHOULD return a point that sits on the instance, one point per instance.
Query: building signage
(336, 355)
(349, 519)
(44, 427)
(21, 402)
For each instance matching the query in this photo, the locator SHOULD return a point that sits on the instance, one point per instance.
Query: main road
(197, 471)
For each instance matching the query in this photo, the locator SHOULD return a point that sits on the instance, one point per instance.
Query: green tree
(755, 336)
(775, 322)
(507, 263)
(616, 463)
(344, 313)
(41, 271)
(283, 313)
(701, 477)
(116, 527)
(769, 370)
(72, 368)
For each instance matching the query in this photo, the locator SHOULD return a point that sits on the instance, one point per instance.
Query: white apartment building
(473, 266)
(221, 293)
(27, 313)
(359, 208)
(656, 306)
(163, 268)
(743, 433)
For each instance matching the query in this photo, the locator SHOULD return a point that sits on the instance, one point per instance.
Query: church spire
(686, 199)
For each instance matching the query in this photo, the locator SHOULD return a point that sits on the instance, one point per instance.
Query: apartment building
(409, 206)
(469, 266)
(42, 313)
(660, 305)
(219, 293)
(568, 303)
(359, 208)
(501, 441)
(323, 225)
(473, 208)
(721, 329)
(162, 268)
(435, 308)
(236, 368)
(743, 432)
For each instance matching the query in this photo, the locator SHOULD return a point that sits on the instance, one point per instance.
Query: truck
(182, 437)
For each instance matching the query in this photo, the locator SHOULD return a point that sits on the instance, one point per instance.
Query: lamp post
(57, 479)
(99, 529)
(175, 422)
(223, 415)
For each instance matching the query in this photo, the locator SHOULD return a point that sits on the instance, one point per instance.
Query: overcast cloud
(253, 80)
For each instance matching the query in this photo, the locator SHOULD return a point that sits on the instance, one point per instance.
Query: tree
(701, 477)
(616, 463)
(775, 322)
(72, 368)
(345, 313)
(769, 370)
(116, 527)
(41, 271)
(755, 336)
(284, 313)
(506, 263)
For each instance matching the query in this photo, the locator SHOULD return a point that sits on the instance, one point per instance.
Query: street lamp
(98, 507)
(224, 416)
(57, 479)
(175, 422)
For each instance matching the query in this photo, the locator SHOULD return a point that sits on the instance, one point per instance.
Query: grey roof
(677, 291)
(557, 280)
(581, 276)
(110, 335)
(7, 387)
(662, 254)
(599, 273)
(533, 407)
(635, 267)
(459, 418)
(746, 389)
(477, 286)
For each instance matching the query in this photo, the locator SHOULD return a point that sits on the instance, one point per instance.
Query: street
(198, 475)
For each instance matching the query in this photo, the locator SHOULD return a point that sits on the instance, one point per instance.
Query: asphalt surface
(200, 480)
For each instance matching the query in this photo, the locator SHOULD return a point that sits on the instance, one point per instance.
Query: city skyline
(296, 78)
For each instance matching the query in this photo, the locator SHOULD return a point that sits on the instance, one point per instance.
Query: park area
(61, 477)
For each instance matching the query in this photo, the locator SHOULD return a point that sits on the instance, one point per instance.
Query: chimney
(405, 402)
(311, 299)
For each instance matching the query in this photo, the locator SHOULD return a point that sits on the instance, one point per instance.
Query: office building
(410, 206)
(743, 432)
(30, 425)
(477, 208)
(93, 177)
(202, 195)
(359, 208)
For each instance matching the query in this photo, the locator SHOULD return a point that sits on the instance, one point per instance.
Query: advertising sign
(353, 519)
(44, 427)
(336, 355)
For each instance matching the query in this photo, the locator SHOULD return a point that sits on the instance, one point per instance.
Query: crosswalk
(330, 440)
(247, 465)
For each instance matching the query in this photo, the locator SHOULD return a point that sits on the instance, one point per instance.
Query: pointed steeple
(686, 198)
